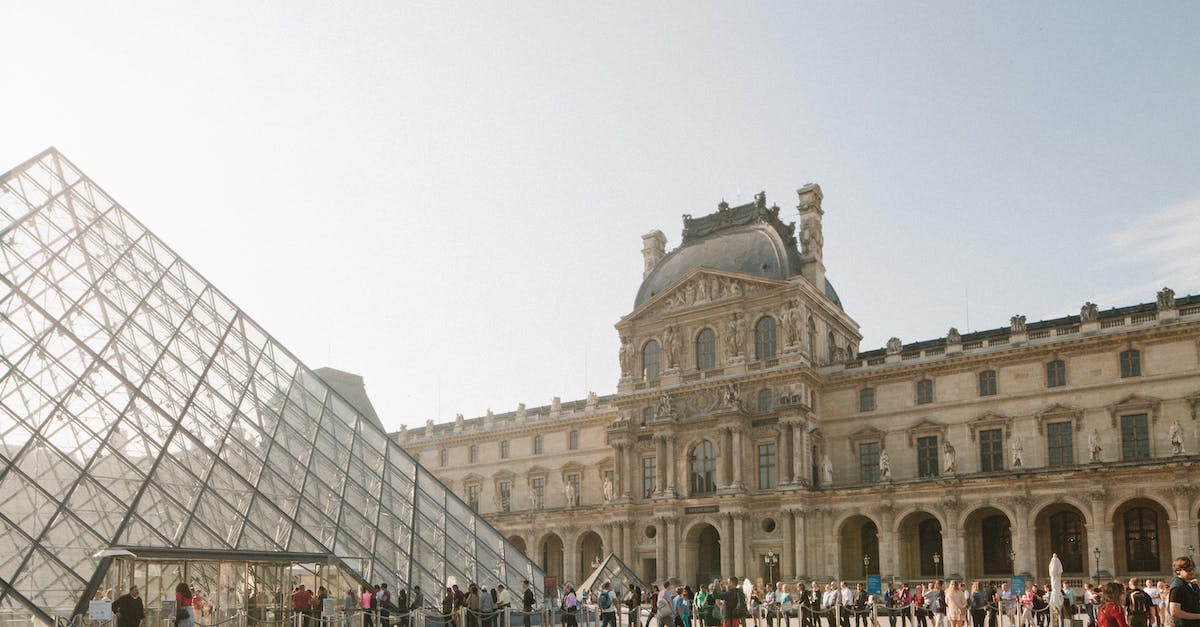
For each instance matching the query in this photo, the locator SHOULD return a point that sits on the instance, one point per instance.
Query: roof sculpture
(140, 408)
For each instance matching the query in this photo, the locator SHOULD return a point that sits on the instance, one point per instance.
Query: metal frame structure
(139, 407)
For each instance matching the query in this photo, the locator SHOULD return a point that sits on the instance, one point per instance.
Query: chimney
(811, 239)
(654, 248)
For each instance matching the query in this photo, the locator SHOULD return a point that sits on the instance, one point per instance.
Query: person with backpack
(1137, 605)
(608, 607)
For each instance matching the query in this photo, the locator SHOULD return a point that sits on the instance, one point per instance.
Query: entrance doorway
(708, 555)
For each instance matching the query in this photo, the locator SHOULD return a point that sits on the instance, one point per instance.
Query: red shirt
(182, 601)
(1111, 615)
(302, 600)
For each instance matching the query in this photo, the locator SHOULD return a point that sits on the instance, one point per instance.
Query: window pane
(706, 350)
(703, 463)
(1135, 437)
(987, 383)
(764, 338)
(868, 462)
(927, 456)
(650, 361)
(766, 466)
(924, 392)
(649, 475)
(1058, 439)
(866, 399)
(1056, 374)
(991, 450)
(1131, 363)
(764, 400)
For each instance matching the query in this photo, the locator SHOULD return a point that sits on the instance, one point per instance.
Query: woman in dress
(956, 603)
(183, 605)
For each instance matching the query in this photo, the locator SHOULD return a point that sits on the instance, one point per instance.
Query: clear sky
(449, 198)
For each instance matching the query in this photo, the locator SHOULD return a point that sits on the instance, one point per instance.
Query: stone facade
(746, 425)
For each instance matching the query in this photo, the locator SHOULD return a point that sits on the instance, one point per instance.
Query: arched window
(930, 537)
(831, 346)
(812, 336)
(1141, 540)
(703, 463)
(706, 350)
(869, 537)
(996, 539)
(764, 338)
(650, 361)
(1066, 540)
(764, 399)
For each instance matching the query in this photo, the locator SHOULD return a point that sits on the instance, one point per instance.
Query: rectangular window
(764, 400)
(537, 445)
(766, 466)
(924, 392)
(1131, 364)
(649, 476)
(991, 450)
(503, 449)
(473, 497)
(506, 496)
(987, 383)
(537, 487)
(866, 399)
(1061, 447)
(868, 462)
(573, 440)
(1056, 374)
(927, 456)
(473, 454)
(443, 457)
(1135, 437)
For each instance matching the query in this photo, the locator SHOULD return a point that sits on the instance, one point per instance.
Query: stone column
(672, 488)
(660, 548)
(632, 466)
(739, 545)
(799, 472)
(800, 551)
(787, 561)
(952, 542)
(619, 469)
(1024, 545)
(889, 548)
(673, 569)
(726, 544)
(571, 558)
(660, 485)
(627, 543)
(736, 459)
(784, 447)
(1100, 532)
(726, 457)
(1183, 522)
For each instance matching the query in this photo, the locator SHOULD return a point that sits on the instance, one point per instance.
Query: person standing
(185, 614)
(978, 603)
(570, 605)
(1111, 612)
(129, 608)
(503, 603)
(1137, 605)
(527, 602)
(608, 605)
(1184, 595)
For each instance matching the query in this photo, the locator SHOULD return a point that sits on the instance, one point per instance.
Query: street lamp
(1096, 554)
(937, 564)
(771, 560)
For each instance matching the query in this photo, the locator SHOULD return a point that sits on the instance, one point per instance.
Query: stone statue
(733, 342)
(1175, 433)
(734, 287)
(1017, 324)
(702, 290)
(730, 397)
(953, 337)
(626, 355)
(894, 345)
(1018, 452)
(671, 347)
(608, 490)
(1094, 446)
(572, 497)
(826, 470)
(1166, 298)
(885, 466)
(949, 459)
(665, 407)
(790, 316)
(1089, 312)
(811, 239)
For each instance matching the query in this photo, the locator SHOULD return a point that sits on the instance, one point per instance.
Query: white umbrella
(1056, 595)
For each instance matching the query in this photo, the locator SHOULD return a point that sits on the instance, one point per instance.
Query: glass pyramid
(614, 571)
(140, 409)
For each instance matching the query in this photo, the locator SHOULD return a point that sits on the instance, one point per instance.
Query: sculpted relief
(708, 288)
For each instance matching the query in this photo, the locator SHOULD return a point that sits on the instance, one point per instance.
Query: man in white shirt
(847, 602)
(830, 601)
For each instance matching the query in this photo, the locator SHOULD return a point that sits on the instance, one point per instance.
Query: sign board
(551, 590)
(874, 584)
(168, 609)
(329, 606)
(1018, 585)
(100, 610)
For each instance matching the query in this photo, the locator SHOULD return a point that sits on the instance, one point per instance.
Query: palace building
(749, 435)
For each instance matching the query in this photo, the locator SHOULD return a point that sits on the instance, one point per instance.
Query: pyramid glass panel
(151, 433)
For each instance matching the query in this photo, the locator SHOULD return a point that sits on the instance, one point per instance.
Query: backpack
(1139, 603)
(605, 600)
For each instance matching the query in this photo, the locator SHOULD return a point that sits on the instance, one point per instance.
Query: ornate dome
(749, 239)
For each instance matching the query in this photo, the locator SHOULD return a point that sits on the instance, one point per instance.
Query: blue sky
(449, 198)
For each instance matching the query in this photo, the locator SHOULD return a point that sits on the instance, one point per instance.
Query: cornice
(970, 361)
(502, 432)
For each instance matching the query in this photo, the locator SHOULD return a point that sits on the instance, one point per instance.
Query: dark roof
(747, 239)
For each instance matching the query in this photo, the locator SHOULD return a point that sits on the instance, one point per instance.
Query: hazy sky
(449, 198)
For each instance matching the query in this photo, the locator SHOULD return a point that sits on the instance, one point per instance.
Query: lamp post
(771, 560)
(1096, 554)
(937, 564)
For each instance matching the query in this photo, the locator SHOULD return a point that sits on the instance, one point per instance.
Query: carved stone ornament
(894, 345)
(1017, 324)
(1166, 298)
(953, 336)
(671, 347)
(627, 355)
(665, 408)
(1089, 312)
(707, 288)
(1175, 436)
